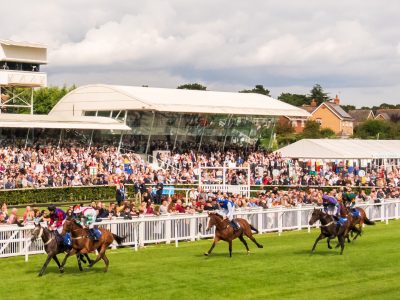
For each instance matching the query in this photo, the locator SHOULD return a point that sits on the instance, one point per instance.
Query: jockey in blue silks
(228, 207)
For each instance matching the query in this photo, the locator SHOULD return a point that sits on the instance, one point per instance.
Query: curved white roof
(115, 97)
(60, 122)
(342, 149)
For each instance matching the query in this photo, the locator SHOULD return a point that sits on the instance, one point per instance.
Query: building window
(319, 121)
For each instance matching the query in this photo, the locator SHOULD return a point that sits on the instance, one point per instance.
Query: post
(201, 138)
(177, 131)
(299, 217)
(120, 142)
(27, 137)
(151, 129)
(168, 230)
(226, 131)
(31, 101)
(60, 139)
(280, 221)
(90, 141)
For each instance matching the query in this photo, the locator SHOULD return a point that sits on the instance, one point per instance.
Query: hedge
(95, 193)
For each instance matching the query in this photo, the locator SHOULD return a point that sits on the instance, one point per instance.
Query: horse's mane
(217, 215)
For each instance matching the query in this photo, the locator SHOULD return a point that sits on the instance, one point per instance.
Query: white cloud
(352, 46)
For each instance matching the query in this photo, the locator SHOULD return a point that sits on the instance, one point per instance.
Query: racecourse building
(176, 116)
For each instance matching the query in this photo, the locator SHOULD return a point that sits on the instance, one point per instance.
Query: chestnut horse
(53, 247)
(359, 220)
(329, 229)
(225, 232)
(81, 242)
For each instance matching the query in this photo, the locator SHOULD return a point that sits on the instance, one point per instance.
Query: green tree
(373, 129)
(294, 99)
(192, 86)
(347, 108)
(259, 89)
(284, 127)
(46, 98)
(318, 94)
(327, 133)
(311, 130)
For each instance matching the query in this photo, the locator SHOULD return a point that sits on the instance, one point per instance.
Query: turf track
(369, 269)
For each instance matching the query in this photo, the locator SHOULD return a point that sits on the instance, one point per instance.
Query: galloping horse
(52, 247)
(81, 242)
(358, 219)
(226, 233)
(329, 229)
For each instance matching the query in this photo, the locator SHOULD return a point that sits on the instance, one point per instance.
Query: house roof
(337, 110)
(115, 97)
(388, 114)
(342, 149)
(308, 108)
(360, 115)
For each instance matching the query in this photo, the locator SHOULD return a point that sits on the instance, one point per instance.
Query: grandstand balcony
(22, 78)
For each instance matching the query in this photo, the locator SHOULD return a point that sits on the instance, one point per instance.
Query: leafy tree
(294, 99)
(318, 94)
(347, 108)
(376, 129)
(311, 130)
(327, 133)
(259, 89)
(192, 86)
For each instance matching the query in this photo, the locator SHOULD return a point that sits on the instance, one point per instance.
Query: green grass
(369, 269)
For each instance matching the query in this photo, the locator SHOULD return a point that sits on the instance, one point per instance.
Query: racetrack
(283, 269)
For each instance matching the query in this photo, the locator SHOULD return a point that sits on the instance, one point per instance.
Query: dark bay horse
(225, 232)
(53, 247)
(81, 242)
(359, 218)
(329, 229)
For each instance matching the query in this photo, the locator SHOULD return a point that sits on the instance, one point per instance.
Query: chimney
(336, 100)
(313, 103)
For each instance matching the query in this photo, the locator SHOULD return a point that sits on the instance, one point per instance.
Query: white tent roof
(342, 149)
(60, 122)
(114, 97)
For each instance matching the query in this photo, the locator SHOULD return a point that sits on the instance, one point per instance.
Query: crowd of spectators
(47, 165)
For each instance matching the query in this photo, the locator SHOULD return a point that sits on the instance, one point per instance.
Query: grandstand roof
(115, 97)
(342, 149)
(60, 122)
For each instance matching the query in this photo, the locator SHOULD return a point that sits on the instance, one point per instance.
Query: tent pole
(27, 137)
(91, 139)
(120, 142)
(151, 129)
(177, 131)
(59, 140)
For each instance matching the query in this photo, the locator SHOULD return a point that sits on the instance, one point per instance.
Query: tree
(192, 86)
(311, 130)
(372, 129)
(294, 99)
(46, 98)
(259, 89)
(284, 127)
(327, 133)
(318, 94)
(347, 108)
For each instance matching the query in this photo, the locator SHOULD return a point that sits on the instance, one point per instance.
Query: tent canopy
(101, 97)
(342, 149)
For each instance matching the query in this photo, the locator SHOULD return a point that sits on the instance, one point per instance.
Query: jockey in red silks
(57, 218)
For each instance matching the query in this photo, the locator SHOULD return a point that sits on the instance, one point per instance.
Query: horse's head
(315, 216)
(37, 231)
(67, 226)
(213, 219)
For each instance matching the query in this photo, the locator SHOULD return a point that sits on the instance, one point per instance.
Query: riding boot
(234, 225)
(95, 233)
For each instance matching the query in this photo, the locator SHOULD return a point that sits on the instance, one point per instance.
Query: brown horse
(81, 242)
(358, 219)
(225, 232)
(329, 229)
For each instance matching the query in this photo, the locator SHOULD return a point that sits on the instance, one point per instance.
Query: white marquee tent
(342, 149)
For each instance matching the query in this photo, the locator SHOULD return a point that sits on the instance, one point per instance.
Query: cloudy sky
(351, 48)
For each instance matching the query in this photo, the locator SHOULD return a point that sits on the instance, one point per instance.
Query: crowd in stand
(48, 165)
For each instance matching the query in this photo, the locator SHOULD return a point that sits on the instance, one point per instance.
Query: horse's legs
(106, 261)
(48, 259)
(341, 241)
(230, 248)
(100, 255)
(249, 234)
(71, 252)
(212, 246)
(78, 258)
(329, 243)
(320, 237)
(88, 258)
(55, 258)
(244, 243)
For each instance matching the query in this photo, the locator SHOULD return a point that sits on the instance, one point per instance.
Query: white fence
(144, 230)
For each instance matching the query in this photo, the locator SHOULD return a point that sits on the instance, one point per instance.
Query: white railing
(186, 227)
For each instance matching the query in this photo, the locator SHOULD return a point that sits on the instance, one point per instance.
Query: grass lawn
(368, 269)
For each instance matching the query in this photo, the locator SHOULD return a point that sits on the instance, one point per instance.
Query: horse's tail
(369, 222)
(118, 238)
(253, 228)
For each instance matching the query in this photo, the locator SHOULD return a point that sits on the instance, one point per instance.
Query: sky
(351, 48)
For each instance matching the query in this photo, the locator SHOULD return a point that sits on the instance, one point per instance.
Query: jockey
(57, 218)
(331, 205)
(350, 199)
(87, 216)
(228, 208)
